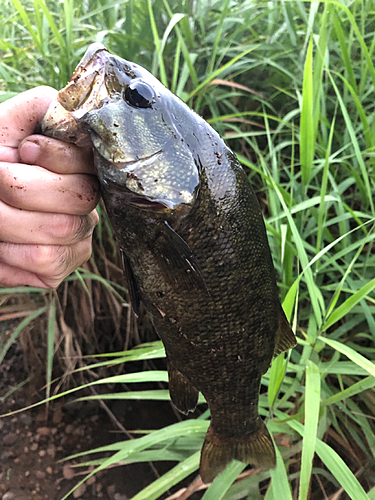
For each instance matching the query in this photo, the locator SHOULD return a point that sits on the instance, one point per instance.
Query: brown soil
(33, 442)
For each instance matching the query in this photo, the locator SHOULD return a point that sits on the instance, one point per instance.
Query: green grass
(290, 86)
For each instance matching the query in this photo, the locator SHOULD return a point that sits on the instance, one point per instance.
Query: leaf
(169, 479)
(158, 46)
(335, 465)
(351, 354)
(279, 477)
(136, 445)
(312, 407)
(158, 395)
(348, 305)
(51, 335)
(352, 390)
(307, 134)
(277, 372)
(19, 329)
(221, 484)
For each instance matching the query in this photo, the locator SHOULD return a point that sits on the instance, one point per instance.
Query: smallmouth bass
(193, 243)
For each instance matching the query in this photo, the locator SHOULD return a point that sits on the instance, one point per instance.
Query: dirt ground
(32, 443)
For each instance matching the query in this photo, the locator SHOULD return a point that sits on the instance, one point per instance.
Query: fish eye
(139, 95)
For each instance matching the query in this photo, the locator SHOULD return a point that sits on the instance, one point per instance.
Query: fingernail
(29, 152)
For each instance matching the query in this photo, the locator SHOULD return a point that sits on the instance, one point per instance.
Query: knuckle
(69, 228)
(46, 257)
(85, 251)
(64, 226)
(95, 217)
(64, 262)
(86, 227)
(60, 260)
(90, 190)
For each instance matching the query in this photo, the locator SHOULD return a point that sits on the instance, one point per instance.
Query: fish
(193, 243)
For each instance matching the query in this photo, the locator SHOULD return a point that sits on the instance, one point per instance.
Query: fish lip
(93, 53)
(84, 89)
(86, 82)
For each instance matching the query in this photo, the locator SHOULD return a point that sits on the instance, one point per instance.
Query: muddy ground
(32, 443)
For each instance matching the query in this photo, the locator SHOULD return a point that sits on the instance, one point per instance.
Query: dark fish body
(194, 246)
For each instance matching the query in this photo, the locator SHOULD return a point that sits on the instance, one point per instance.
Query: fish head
(144, 137)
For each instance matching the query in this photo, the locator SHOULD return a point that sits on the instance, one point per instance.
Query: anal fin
(256, 449)
(183, 394)
(285, 338)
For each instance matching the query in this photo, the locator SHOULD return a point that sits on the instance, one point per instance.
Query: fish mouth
(86, 84)
(85, 89)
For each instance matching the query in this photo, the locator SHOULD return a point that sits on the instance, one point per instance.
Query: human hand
(48, 194)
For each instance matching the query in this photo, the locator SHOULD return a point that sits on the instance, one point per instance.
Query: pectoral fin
(183, 394)
(285, 338)
(179, 260)
(131, 283)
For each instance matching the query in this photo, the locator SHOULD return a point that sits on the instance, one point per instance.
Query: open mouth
(86, 83)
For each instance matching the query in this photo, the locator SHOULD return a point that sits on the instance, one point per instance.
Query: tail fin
(256, 449)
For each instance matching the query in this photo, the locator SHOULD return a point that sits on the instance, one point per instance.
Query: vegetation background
(290, 86)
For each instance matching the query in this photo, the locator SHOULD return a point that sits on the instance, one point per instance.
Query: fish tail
(256, 449)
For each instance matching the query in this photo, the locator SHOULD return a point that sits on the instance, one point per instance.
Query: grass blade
(172, 477)
(335, 465)
(158, 47)
(279, 477)
(19, 329)
(312, 406)
(348, 305)
(221, 484)
(307, 134)
(357, 358)
(51, 335)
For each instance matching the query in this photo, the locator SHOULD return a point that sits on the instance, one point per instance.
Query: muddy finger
(56, 156)
(30, 187)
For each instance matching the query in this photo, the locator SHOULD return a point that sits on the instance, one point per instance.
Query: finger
(19, 117)
(38, 228)
(50, 263)
(57, 156)
(12, 276)
(34, 188)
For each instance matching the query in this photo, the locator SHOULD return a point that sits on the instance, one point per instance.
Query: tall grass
(290, 86)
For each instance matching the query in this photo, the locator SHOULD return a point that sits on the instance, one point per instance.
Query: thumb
(20, 115)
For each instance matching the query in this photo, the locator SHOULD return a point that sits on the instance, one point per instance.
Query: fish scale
(194, 246)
